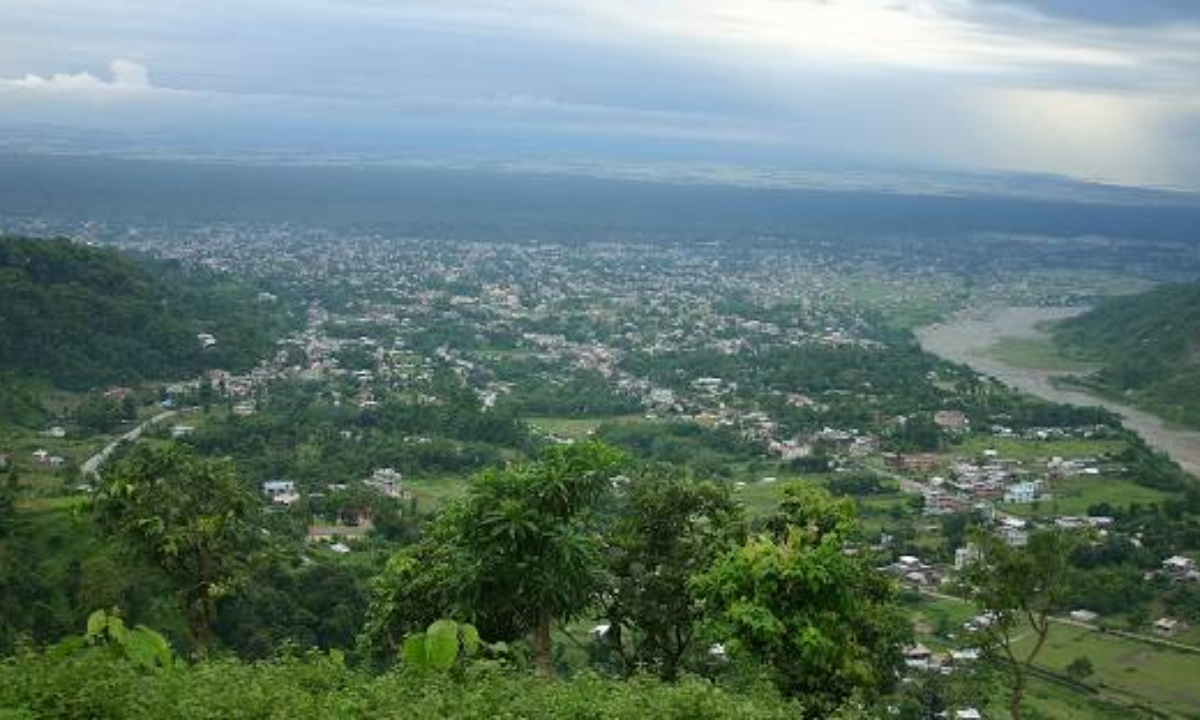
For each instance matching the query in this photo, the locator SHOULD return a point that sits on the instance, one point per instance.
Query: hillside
(78, 317)
(1149, 345)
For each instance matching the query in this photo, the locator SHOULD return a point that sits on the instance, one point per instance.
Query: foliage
(522, 550)
(141, 646)
(528, 549)
(1017, 588)
(89, 317)
(1148, 344)
(190, 516)
(90, 682)
(444, 644)
(800, 602)
(664, 529)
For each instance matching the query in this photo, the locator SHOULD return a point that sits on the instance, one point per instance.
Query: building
(1180, 569)
(387, 482)
(1084, 616)
(1166, 626)
(1022, 493)
(951, 420)
(280, 492)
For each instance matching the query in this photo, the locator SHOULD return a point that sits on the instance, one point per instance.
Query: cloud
(125, 76)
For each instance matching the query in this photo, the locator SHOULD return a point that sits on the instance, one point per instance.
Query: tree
(190, 516)
(666, 529)
(1017, 588)
(1080, 669)
(796, 599)
(529, 551)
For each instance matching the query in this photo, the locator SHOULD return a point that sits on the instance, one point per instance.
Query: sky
(1105, 90)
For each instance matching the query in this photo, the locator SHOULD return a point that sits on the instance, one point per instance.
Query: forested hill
(1149, 345)
(80, 317)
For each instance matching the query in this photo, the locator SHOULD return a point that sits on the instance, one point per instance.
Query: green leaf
(441, 644)
(413, 651)
(470, 638)
(96, 623)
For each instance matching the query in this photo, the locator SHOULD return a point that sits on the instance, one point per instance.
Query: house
(1022, 493)
(243, 409)
(1013, 531)
(280, 492)
(1180, 569)
(965, 555)
(41, 457)
(1084, 616)
(387, 482)
(951, 420)
(919, 463)
(4, 461)
(1166, 626)
(178, 431)
(919, 657)
(967, 714)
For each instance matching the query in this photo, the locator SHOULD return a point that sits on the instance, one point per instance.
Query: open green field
(433, 493)
(1128, 671)
(577, 428)
(1031, 450)
(1035, 354)
(1158, 677)
(1073, 496)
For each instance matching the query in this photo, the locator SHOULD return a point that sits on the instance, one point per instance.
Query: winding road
(966, 337)
(91, 466)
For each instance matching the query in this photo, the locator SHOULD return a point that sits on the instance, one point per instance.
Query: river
(965, 337)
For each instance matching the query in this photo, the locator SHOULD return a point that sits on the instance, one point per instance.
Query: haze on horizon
(1095, 89)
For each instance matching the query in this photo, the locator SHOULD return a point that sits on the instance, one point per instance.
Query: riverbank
(968, 338)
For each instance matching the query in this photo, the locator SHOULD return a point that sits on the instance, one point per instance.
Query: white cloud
(125, 76)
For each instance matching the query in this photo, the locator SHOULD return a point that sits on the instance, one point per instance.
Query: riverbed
(966, 338)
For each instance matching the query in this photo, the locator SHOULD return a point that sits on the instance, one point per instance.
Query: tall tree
(529, 549)
(1017, 588)
(801, 601)
(666, 528)
(189, 515)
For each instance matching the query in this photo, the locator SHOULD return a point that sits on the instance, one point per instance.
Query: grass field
(1073, 496)
(1035, 354)
(1031, 450)
(1158, 677)
(577, 428)
(433, 493)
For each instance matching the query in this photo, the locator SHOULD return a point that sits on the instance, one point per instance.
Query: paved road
(966, 337)
(91, 466)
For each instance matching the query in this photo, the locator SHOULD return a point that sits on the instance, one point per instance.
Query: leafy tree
(1017, 588)
(667, 528)
(1080, 668)
(796, 599)
(529, 550)
(190, 516)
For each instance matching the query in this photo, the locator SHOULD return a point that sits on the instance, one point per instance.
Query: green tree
(798, 600)
(1017, 588)
(190, 516)
(1080, 669)
(529, 551)
(666, 528)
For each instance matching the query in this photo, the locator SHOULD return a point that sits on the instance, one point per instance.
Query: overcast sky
(1097, 89)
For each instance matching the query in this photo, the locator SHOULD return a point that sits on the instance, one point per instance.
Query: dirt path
(966, 337)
